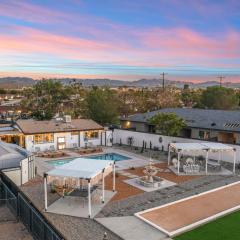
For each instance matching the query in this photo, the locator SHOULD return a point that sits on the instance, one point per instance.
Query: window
(204, 134)
(91, 134)
(43, 138)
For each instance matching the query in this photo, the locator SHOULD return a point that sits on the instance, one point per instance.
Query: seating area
(188, 158)
(84, 151)
(52, 154)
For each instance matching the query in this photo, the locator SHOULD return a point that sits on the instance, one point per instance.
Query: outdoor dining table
(214, 165)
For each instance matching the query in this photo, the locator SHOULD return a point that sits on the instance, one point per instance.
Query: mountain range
(19, 82)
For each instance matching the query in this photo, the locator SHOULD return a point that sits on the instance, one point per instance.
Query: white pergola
(82, 168)
(207, 147)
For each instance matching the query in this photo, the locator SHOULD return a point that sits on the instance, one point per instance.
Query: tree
(167, 123)
(190, 98)
(3, 91)
(219, 98)
(101, 105)
(44, 99)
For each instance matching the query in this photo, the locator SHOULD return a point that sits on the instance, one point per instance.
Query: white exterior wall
(107, 137)
(31, 147)
(22, 174)
(72, 141)
(139, 137)
(94, 141)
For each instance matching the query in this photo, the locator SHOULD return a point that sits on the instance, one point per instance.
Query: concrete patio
(165, 183)
(78, 206)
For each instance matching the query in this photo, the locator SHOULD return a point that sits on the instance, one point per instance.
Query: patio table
(214, 165)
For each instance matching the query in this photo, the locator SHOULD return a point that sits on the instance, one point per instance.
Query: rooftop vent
(232, 125)
(67, 119)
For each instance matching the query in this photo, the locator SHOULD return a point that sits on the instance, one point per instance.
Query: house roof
(201, 146)
(31, 126)
(197, 118)
(11, 155)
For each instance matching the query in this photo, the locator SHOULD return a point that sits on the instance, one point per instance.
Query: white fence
(162, 142)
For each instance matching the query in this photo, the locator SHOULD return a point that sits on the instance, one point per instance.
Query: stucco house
(57, 134)
(211, 125)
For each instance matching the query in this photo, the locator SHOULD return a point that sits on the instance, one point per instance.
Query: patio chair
(52, 148)
(189, 161)
(175, 162)
(75, 146)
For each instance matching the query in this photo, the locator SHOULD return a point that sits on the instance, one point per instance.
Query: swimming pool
(107, 156)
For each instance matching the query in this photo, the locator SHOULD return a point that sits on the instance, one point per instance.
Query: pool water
(107, 156)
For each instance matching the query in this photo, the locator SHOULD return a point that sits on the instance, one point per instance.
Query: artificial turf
(224, 228)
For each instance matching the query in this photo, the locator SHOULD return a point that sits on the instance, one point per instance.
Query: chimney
(67, 119)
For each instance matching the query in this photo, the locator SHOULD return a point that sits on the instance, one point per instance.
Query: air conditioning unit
(67, 119)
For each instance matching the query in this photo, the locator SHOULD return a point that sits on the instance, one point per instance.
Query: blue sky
(191, 40)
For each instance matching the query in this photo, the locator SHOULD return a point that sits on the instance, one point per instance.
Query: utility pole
(220, 80)
(163, 79)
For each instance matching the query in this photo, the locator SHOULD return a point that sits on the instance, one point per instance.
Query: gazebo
(207, 147)
(90, 170)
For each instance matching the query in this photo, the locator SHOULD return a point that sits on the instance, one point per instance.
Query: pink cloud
(188, 44)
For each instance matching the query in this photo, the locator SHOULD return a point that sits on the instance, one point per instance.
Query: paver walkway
(131, 228)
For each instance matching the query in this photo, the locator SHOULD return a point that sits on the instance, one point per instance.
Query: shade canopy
(81, 168)
(210, 146)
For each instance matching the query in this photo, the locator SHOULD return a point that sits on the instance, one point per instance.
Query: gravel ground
(10, 228)
(88, 229)
(148, 200)
(72, 228)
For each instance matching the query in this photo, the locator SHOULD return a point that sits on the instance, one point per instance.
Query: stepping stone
(133, 176)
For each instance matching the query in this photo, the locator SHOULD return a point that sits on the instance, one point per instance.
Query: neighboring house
(16, 163)
(213, 125)
(56, 134)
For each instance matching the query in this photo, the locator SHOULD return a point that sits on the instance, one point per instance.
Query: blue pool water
(107, 156)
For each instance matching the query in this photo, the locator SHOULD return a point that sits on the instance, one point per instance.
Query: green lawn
(226, 228)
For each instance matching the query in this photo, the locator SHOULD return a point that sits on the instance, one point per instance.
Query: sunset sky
(121, 39)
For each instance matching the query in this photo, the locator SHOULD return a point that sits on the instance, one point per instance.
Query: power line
(163, 79)
(220, 80)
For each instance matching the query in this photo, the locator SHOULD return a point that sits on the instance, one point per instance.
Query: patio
(77, 206)
(188, 159)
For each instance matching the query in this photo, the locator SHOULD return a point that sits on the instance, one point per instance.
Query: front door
(61, 143)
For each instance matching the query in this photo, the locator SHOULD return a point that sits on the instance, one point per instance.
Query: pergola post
(178, 166)
(234, 160)
(219, 156)
(169, 154)
(206, 166)
(103, 187)
(45, 191)
(89, 199)
(114, 177)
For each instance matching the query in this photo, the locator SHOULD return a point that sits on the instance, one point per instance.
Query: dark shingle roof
(198, 118)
